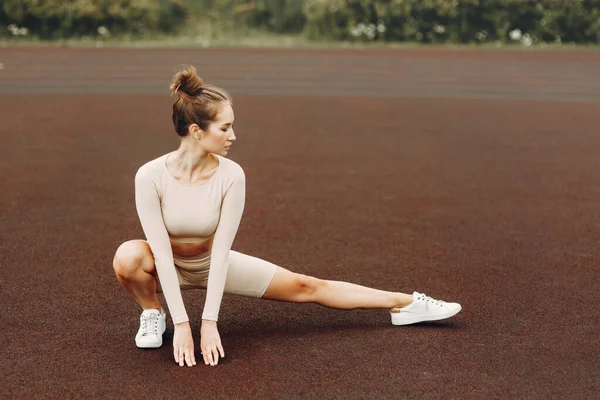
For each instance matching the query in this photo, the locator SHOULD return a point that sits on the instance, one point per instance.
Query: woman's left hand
(210, 342)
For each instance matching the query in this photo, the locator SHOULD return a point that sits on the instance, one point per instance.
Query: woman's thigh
(247, 275)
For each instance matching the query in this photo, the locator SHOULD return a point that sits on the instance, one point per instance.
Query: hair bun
(187, 82)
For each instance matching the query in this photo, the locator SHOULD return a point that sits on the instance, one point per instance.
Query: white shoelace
(150, 325)
(432, 300)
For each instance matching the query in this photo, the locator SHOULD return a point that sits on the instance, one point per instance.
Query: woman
(190, 203)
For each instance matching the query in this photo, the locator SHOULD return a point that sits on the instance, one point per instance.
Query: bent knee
(308, 287)
(131, 256)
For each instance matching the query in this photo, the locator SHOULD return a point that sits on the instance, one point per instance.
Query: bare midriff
(184, 249)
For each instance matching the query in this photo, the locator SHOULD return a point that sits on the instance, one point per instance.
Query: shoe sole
(414, 319)
(149, 345)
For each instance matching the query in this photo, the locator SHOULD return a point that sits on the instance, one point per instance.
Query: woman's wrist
(183, 325)
(208, 322)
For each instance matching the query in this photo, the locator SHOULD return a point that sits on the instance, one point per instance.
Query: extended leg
(251, 276)
(289, 286)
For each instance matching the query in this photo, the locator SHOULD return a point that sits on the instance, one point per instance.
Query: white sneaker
(424, 308)
(152, 326)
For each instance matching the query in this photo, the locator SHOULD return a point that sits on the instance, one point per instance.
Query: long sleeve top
(171, 210)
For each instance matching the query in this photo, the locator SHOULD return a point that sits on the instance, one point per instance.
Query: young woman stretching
(190, 203)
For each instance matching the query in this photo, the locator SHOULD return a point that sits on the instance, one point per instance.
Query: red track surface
(472, 176)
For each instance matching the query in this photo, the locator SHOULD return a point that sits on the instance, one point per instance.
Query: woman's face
(219, 135)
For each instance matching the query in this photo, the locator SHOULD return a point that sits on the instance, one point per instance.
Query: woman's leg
(251, 276)
(135, 270)
(298, 288)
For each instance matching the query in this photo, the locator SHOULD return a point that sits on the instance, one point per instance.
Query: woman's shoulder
(153, 167)
(154, 164)
(230, 167)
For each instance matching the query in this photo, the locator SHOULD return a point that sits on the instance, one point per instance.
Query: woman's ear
(195, 131)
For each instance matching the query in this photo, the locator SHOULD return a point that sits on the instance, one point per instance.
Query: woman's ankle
(401, 300)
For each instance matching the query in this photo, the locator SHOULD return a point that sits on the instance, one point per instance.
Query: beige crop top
(171, 210)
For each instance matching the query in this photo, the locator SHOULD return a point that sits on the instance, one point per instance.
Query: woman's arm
(231, 214)
(148, 207)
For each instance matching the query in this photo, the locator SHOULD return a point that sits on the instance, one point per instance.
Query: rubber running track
(473, 176)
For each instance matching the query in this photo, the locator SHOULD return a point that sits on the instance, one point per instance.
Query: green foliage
(280, 16)
(454, 21)
(284, 16)
(51, 19)
(428, 21)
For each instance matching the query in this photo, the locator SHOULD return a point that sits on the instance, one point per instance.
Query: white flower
(439, 29)
(356, 32)
(102, 30)
(481, 36)
(380, 27)
(527, 41)
(370, 31)
(16, 31)
(515, 34)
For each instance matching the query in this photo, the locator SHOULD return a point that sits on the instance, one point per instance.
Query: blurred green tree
(454, 21)
(427, 21)
(51, 19)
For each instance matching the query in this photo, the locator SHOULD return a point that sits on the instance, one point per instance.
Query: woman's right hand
(183, 345)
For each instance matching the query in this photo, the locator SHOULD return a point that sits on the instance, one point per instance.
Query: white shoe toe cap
(148, 341)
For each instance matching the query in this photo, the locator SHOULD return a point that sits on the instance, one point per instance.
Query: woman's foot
(152, 326)
(423, 308)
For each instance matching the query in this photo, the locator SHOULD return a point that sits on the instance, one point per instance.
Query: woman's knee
(130, 257)
(308, 287)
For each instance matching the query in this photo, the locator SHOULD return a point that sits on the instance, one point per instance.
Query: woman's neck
(191, 161)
